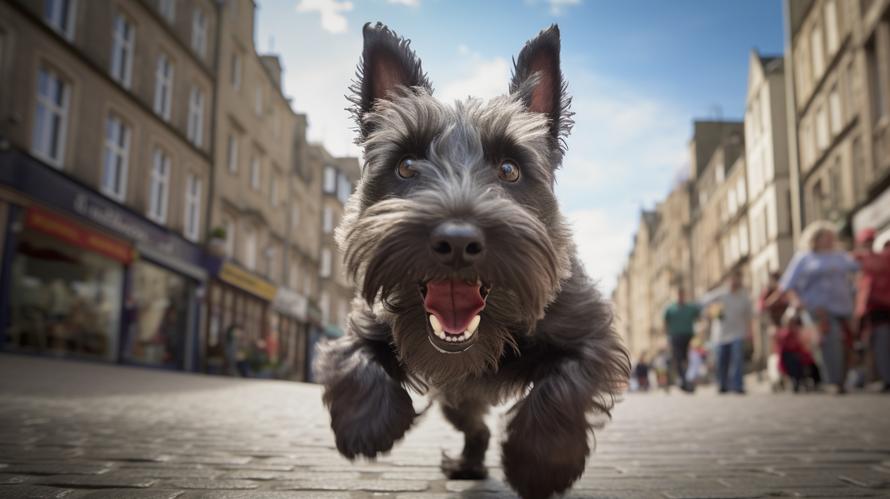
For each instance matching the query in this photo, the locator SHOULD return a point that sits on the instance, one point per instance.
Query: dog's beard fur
(386, 243)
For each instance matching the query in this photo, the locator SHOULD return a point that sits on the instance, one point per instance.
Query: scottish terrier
(469, 287)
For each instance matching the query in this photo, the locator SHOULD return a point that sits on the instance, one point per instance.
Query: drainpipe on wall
(797, 211)
(211, 191)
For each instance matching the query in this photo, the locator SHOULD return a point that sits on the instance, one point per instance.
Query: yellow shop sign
(248, 282)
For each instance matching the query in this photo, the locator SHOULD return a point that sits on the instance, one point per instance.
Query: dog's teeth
(440, 334)
(436, 325)
(474, 325)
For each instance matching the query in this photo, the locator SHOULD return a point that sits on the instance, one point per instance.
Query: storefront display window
(64, 300)
(159, 304)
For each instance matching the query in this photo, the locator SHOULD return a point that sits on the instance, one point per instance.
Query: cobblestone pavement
(80, 430)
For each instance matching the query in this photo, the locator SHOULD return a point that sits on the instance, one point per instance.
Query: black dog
(468, 277)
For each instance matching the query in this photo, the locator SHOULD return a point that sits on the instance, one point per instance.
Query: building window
(236, 71)
(834, 110)
(249, 248)
(163, 86)
(229, 228)
(324, 303)
(258, 101)
(325, 264)
(327, 223)
(271, 269)
(273, 189)
(293, 277)
(60, 15)
(836, 186)
(117, 154)
(192, 207)
(199, 32)
(195, 130)
(817, 52)
(878, 98)
(821, 128)
(255, 173)
(122, 50)
(51, 118)
(168, 10)
(159, 187)
(295, 217)
(232, 154)
(344, 189)
(831, 27)
(330, 180)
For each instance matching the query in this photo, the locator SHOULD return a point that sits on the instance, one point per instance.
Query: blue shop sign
(50, 187)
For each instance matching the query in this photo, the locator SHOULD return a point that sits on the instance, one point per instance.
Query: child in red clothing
(795, 359)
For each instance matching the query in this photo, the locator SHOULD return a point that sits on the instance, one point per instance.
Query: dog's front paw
(539, 462)
(461, 469)
(368, 415)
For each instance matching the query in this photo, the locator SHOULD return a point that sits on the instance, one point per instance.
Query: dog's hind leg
(363, 388)
(468, 417)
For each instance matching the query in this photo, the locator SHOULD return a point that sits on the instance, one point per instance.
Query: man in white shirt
(729, 331)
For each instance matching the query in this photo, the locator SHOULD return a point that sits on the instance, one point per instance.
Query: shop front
(87, 278)
(254, 328)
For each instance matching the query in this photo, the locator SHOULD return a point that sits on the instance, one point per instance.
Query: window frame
(55, 110)
(256, 173)
(191, 228)
(118, 147)
(159, 179)
(195, 125)
(52, 13)
(164, 86)
(122, 44)
(199, 32)
(167, 9)
(232, 153)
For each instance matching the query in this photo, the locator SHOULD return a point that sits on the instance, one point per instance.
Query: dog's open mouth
(453, 308)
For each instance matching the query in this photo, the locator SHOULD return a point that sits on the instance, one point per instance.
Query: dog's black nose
(457, 243)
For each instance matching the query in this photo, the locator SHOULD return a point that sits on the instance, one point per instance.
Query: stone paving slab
(79, 430)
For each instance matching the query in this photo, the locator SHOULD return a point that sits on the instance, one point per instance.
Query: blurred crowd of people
(827, 318)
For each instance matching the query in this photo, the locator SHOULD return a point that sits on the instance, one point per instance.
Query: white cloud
(602, 243)
(558, 7)
(331, 11)
(407, 3)
(477, 77)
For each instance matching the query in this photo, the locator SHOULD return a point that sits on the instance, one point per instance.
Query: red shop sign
(78, 235)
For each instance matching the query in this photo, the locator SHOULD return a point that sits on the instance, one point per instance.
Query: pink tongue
(454, 303)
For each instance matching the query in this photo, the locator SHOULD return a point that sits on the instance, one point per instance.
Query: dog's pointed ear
(387, 63)
(538, 81)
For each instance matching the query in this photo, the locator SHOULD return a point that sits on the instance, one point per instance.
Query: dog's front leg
(370, 409)
(578, 365)
(546, 446)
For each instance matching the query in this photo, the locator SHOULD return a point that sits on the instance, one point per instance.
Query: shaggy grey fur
(545, 334)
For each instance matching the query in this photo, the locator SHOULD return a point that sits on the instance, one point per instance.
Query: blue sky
(639, 71)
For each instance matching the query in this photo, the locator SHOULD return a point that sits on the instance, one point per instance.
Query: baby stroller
(795, 359)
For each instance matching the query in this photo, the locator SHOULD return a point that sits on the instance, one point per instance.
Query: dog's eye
(406, 167)
(508, 171)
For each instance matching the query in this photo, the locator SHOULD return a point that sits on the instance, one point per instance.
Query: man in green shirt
(679, 323)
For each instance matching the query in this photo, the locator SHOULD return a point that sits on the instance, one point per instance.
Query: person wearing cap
(872, 311)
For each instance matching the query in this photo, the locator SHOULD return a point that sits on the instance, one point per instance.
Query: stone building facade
(160, 204)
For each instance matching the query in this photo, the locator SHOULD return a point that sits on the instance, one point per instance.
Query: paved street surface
(73, 430)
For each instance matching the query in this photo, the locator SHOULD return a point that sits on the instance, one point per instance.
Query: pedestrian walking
(873, 300)
(641, 373)
(795, 359)
(679, 325)
(730, 330)
(772, 316)
(819, 279)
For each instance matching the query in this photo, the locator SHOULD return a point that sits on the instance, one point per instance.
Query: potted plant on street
(216, 242)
